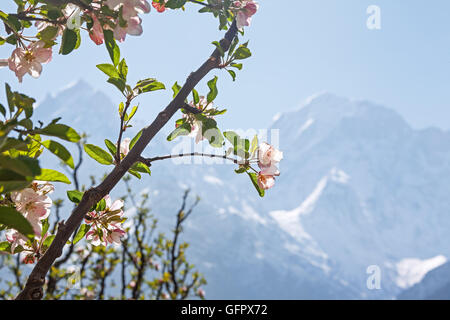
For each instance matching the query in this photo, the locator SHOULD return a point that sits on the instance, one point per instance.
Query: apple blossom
(124, 147)
(244, 9)
(201, 293)
(196, 125)
(29, 59)
(105, 225)
(268, 155)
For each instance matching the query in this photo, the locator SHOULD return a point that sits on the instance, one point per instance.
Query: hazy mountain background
(359, 187)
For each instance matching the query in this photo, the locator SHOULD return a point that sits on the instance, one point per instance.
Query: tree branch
(34, 287)
(148, 161)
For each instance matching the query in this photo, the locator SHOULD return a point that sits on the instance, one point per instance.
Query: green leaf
(135, 139)
(118, 83)
(195, 96)
(232, 74)
(75, 196)
(48, 34)
(242, 53)
(52, 175)
(11, 143)
(48, 241)
(111, 147)
(45, 227)
(5, 246)
(109, 70)
(10, 181)
(101, 205)
(60, 151)
(176, 88)
(212, 84)
(254, 178)
(141, 167)
(134, 173)
(254, 145)
(219, 47)
(13, 219)
(123, 69)
(112, 47)
(175, 4)
(70, 41)
(148, 85)
(22, 165)
(10, 97)
(98, 154)
(61, 131)
(182, 130)
(237, 65)
(84, 228)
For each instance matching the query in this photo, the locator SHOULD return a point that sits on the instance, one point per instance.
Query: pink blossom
(133, 28)
(125, 147)
(265, 182)
(201, 293)
(159, 6)
(196, 125)
(245, 10)
(96, 33)
(34, 203)
(29, 60)
(105, 225)
(268, 155)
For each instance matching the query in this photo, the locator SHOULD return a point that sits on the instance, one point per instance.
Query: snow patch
(305, 126)
(412, 270)
(247, 213)
(339, 176)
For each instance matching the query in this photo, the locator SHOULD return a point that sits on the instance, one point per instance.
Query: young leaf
(70, 41)
(109, 70)
(111, 147)
(254, 178)
(61, 131)
(112, 47)
(212, 84)
(84, 228)
(75, 196)
(135, 139)
(60, 151)
(98, 154)
(15, 220)
(52, 175)
(182, 130)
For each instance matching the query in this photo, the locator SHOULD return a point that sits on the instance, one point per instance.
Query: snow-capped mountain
(435, 285)
(359, 187)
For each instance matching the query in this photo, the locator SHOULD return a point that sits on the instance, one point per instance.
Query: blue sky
(299, 48)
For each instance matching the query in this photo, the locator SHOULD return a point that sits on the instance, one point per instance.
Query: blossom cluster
(268, 159)
(105, 225)
(196, 125)
(34, 204)
(244, 10)
(127, 22)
